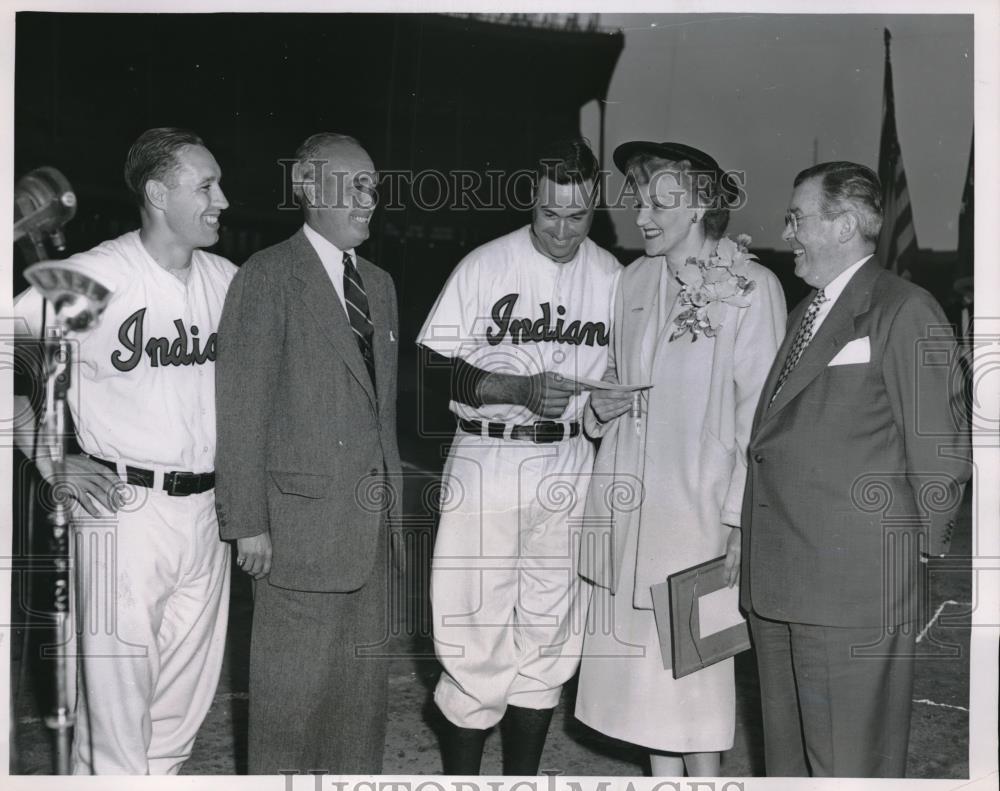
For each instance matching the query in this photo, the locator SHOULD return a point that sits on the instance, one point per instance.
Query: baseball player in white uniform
(519, 321)
(153, 575)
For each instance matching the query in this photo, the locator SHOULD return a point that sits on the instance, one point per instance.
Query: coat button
(373, 471)
(758, 458)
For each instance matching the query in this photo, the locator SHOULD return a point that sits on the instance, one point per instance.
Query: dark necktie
(802, 338)
(356, 300)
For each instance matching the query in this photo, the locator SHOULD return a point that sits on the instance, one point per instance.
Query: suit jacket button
(758, 458)
(373, 471)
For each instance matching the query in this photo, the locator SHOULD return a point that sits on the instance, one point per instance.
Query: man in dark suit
(856, 469)
(306, 391)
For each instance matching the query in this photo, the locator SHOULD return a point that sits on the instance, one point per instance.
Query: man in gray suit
(856, 465)
(306, 392)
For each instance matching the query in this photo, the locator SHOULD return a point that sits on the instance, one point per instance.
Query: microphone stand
(44, 202)
(78, 298)
(52, 431)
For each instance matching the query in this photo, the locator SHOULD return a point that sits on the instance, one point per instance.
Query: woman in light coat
(699, 319)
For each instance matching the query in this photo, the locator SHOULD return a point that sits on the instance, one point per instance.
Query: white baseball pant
(152, 608)
(507, 601)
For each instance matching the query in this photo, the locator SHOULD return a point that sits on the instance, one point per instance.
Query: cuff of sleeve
(731, 518)
(242, 524)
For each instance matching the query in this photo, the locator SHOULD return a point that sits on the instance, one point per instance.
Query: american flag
(897, 244)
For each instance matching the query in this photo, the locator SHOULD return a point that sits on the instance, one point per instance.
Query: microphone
(77, 296)
(44, 202)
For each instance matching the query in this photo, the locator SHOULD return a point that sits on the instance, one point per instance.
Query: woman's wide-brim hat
(673, 151)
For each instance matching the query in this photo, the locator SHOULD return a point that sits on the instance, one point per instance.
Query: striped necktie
(802, 338)
(356, 300)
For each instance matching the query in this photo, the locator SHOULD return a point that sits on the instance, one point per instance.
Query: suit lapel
(837, 329)
(321, 299)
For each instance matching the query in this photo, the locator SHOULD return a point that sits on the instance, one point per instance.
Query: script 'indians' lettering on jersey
(161, 351)
(525, 330)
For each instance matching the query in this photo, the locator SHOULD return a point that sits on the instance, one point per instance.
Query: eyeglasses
(793, 219)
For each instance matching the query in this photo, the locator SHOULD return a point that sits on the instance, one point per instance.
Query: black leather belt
(176, 484)
(542, 432)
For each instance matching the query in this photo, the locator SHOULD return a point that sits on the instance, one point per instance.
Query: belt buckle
(545, 432)
(172, 484)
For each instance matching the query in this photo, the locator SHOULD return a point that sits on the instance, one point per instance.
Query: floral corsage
(709, 285)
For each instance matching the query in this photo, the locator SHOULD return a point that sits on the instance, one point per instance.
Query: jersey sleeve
(28, 311)
(104, 264)
(452, 320)
(28, 347)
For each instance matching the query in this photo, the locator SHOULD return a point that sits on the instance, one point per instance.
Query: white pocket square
(857, 351)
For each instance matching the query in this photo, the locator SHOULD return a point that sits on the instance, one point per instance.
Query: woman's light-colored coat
(676, 474)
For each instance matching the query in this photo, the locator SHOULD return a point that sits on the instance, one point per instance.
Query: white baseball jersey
(143, 392)
(508, 308)
(504, 588)
(143, 383)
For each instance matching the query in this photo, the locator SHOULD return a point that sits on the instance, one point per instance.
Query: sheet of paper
(594, 384)
(718, 610)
